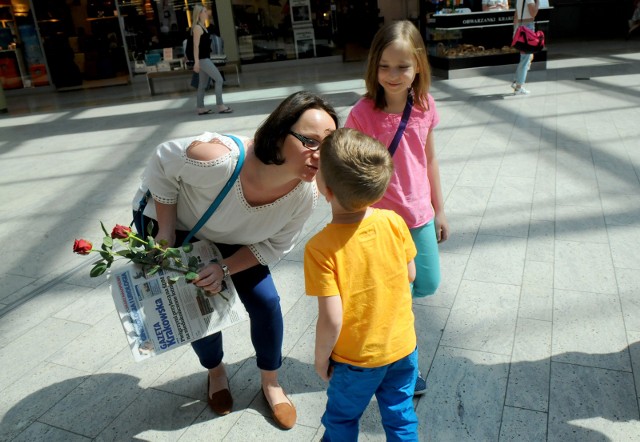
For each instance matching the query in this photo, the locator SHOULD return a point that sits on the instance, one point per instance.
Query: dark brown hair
(272, 132)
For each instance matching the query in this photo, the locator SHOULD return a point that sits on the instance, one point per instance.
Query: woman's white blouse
(270, 230)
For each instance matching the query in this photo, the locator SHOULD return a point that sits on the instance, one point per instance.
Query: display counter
(464, 44)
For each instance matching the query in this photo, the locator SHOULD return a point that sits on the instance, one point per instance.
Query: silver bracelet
(225, 269)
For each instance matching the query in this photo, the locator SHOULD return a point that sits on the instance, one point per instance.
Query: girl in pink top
(398, 71)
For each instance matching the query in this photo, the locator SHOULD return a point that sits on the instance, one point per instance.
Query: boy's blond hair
(356, 167)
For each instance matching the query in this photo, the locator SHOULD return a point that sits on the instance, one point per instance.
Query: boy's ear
(328, 194)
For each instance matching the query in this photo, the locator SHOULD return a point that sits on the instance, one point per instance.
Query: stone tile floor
(533, 335)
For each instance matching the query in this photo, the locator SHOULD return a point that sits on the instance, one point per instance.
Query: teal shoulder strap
(227, 187)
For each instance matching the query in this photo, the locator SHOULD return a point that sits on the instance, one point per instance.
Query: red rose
(82, 247)
(120, 232)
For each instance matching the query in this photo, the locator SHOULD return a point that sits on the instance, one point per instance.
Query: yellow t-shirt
(366, 265)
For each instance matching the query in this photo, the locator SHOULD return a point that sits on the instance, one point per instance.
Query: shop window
(154, 30)
(273, 30)
(22, 62)
(82, 42)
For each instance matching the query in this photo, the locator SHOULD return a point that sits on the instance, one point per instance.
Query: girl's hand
(210, 278)
(324, 369)
(442, 227)
(196, 67)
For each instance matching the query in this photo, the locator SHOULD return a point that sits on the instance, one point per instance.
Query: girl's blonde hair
(195, 18)
(403, 31)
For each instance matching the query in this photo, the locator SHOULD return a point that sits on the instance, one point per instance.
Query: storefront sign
(486, 20)
(300, 12)
(305, 42)
(479, 19)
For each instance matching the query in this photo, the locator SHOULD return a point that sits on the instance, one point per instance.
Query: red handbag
(528, 41)
(525, 40)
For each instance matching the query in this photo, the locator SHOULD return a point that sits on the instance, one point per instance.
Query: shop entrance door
(82, 42)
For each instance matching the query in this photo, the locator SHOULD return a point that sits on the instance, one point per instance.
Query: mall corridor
(534, 334)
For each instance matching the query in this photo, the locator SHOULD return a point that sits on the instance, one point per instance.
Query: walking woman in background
(202, 61)
(526, 11)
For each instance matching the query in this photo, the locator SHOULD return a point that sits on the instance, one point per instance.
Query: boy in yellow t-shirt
(360, 266)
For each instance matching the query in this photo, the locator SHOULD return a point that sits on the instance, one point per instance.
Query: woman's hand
(210, 278)
(166, 215)
(196, 66)
(168, 236)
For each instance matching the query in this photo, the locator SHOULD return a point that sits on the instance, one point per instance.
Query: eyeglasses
(309, 143)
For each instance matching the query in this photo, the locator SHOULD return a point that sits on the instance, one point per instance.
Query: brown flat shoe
(284, 413)
(221, 401)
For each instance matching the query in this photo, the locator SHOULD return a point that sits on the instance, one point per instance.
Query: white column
(228, 29)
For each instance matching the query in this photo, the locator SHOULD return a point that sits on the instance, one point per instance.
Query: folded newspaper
(158, 316)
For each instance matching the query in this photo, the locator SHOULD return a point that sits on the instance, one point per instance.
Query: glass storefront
(85, 43)
(263, 30)
(153, 27)
(68, 44)
(22, 62)
(82, 42)
(272, 30)
(254, 31)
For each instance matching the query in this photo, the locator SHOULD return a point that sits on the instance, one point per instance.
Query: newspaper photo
(158, 315)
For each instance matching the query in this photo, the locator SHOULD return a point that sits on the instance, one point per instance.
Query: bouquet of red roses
(151, 255)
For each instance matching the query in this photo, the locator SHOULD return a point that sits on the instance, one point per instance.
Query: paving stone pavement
(533, 335)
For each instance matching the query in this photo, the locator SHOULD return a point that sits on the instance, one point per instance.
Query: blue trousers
(427, 260)
(351, 389)
(258, 293)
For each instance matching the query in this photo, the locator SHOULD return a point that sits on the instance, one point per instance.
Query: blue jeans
(427, 260)
(260, 298)
(525, 62)
(351, 389)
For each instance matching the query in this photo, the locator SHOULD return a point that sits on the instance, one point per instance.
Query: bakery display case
(460, 42)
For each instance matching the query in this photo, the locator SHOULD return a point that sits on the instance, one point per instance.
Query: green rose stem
(142, 261)
(152, 255)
